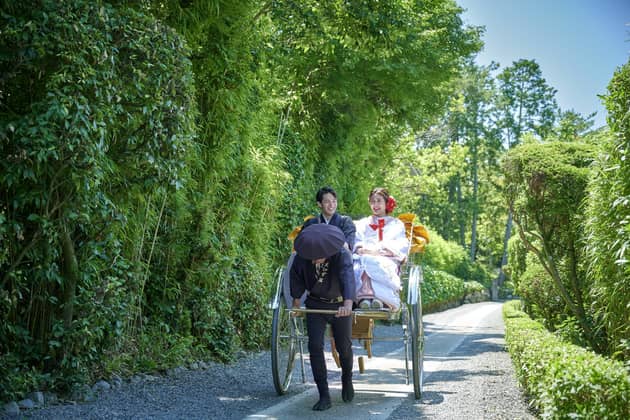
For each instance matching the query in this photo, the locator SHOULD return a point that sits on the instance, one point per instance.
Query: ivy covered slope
(156, 154)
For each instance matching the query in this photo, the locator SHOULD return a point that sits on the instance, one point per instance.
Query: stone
(116, 381)
(37, 397)
(101, 386)
(83, 393)
(12, 409)
(26, 403)
(175, 371)
(50, 398)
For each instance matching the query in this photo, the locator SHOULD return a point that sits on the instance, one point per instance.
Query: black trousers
(342, 333)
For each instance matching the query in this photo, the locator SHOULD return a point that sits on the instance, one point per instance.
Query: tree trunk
(461, 218)
(504, 258)
(71, 276)
(475, 206)
(547, 261)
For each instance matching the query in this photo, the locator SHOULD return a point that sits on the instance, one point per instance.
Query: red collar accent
(379, 225)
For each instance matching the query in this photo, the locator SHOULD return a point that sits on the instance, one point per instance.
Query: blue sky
(577, 43)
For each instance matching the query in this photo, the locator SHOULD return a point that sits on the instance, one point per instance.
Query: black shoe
(347, 391)
(322, 404)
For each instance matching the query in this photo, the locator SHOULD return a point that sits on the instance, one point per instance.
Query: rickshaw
(288, 333)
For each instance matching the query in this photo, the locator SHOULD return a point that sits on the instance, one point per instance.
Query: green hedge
(564, 380)
(441, 289)
(450, 257)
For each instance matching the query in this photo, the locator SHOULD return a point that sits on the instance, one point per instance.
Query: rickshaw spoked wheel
(283, 347)
(416, 332)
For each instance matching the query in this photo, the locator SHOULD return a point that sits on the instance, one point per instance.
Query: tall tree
(469, 124)
(545, 185)
(361, 72)
(527, 105)
(572, 125)
(526, 102)
(474, 124)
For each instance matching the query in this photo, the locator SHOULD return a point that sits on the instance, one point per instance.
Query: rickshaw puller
(323, 267)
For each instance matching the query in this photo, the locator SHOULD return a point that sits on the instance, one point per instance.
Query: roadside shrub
(545, 185)
(19, 378)
(440, 289)
(564, 380)
(450, 257)
(536, 287)
(471, 287)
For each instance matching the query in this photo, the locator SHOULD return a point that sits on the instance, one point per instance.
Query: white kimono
(383, 271)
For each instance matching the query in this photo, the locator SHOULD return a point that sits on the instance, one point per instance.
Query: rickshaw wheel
(417, 348)
(283, 347)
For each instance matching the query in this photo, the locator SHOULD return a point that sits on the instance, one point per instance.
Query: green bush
(535, 286)
(562, 379)
(545, 185)
(450, 257)
(19, 378)
(440, 288)
(473, 287)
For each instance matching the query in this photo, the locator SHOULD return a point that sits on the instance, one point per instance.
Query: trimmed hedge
(442, 290)
(564, 380)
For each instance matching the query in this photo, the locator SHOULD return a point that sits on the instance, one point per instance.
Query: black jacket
(338, 282)
(344, 223)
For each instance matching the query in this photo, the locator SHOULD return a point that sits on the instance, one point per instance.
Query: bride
(381, 245)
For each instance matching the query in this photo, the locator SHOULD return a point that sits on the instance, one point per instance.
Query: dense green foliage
(451, 258)
(89, 125)
(441, 290)
(449, 172)
(535, 286)
(156, 154)
(545, 183)
(570, 201)
(527, 103)
(561, 379)
(608, 221)
(358, 74)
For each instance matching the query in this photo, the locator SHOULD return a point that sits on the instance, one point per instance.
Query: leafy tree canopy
(393, 55)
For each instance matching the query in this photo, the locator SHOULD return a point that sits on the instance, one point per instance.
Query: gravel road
(468, 375)
(475, 379)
